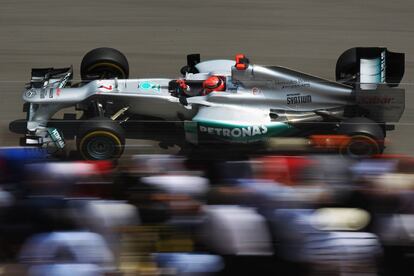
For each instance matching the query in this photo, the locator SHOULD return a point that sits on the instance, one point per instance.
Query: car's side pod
(362, 66)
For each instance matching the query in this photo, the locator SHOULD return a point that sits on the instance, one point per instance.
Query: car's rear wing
(373, 72)
(362, 67)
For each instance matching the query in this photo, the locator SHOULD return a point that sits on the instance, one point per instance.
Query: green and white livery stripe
(56, 137)
(235, 132)
(191, 131)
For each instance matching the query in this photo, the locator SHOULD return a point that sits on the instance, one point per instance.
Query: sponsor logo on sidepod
(235, 132)
(298, 99)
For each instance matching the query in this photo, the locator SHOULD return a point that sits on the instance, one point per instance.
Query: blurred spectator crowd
(168, 215)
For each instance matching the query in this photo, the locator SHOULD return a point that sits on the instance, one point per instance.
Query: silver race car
(215, 101)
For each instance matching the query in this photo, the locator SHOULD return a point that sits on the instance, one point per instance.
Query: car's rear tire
(366, 137)
(104, 63)
(100, 139)
(361, 146)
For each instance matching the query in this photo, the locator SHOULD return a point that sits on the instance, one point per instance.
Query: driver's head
(214, 83)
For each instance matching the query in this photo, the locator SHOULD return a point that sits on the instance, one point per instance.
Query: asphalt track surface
(156, 35)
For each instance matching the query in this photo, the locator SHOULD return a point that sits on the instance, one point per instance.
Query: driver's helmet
(214, 83)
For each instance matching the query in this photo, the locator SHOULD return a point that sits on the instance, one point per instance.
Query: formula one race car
(213, 101)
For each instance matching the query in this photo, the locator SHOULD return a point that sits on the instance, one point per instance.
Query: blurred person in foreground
(388, 195)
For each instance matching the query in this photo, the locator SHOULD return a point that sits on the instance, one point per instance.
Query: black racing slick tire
(366, 137)
(361, 146)
(100, 139)
(104, 63)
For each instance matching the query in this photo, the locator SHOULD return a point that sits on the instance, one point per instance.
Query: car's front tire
(104, 63)
(100, 139)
